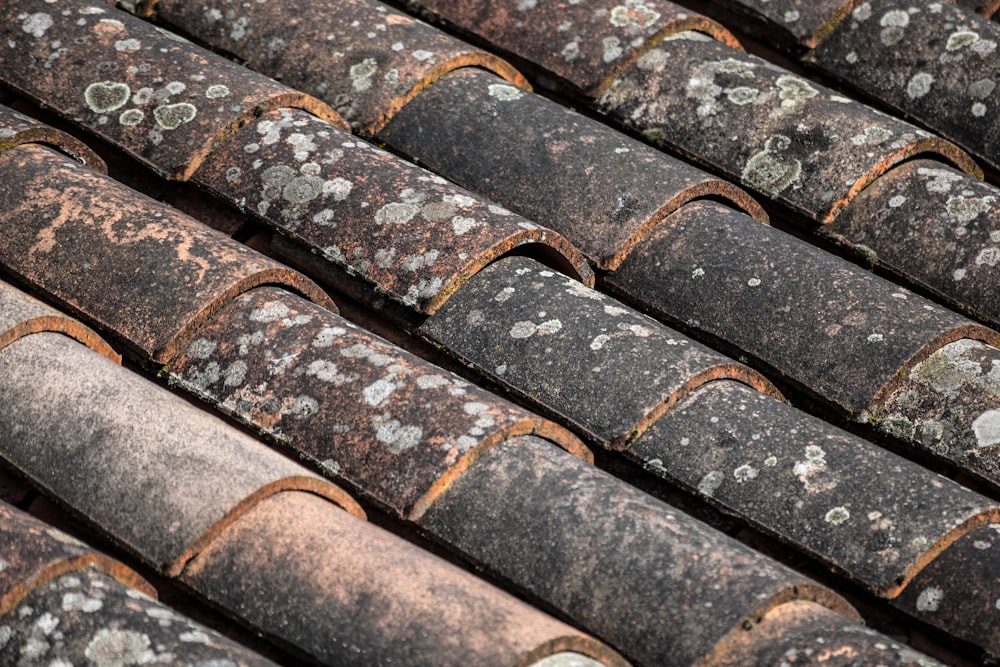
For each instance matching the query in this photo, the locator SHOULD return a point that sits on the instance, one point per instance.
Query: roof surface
(361, 352)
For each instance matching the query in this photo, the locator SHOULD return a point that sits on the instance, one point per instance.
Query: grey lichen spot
(930, 599)
(967, 209)
(505, 92)
(633, 13)
(361, 74)
(837, 516)
(961, 39)
(872, 136)
(987, 428)
(566, 659)
(172, 116)
(741, 95)
(130, 44)
(77, 601)
(269, 312)
(302, 189)
(236, 373)
(36, 24)
(981, 89)
(131, 117)
(711, 482)
(117, 648)
(201, 348)
(794, 91)
(105, 96)
(768, 171)
(217, 91)
(523, 329)
(745, 473)
(919, 85)
(396, 213)
(862, 12)
(612, 49)
(392, 433)
(894, 24)
(338, 188)
(304, 406)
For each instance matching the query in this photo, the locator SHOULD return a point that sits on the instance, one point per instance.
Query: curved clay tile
(788, 22)
(410, 608)
(21, 315)
(407, 233)
(586, 44)
(35, 554)
(987, 8)
(605, 535)
(17, 129)
(516, 148)
(163, 487)
(390, 425)
(160, 98)
(892, 220)
(363, 58)
(930, 61)
(517, 321)
(139, 269)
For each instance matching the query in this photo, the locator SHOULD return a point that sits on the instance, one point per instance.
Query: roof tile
(17, 129)
(134, 84)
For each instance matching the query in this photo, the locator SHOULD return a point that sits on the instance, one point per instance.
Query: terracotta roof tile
(65, 603)
(134, 84)
(351, 52)
(92, 242)
(416, 237)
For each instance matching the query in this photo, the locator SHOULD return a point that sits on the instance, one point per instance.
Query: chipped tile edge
(62, 142)
(64, 325)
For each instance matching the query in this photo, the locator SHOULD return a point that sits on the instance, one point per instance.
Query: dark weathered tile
(961, 589)
(17, 129)
(160, 98)
(134, 266)
(585, 44)
(599, 539)
(875, 517)
(365, 59)
(778, 134)
(391, 425)
(162, 486)
(545, 336)
(35, 553)
(409, 234)
(931, 61)
(21, 315)
(985, 7)
(594, 185)
(350, 594)
(88, 618)
(805, 634)
(791, 21)
(934, 226)
(831, 327)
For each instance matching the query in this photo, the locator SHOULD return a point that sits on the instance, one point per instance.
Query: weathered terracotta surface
(934, 226)
(805, 634)
(790, 21)
(390, 425)
(959, 590)
(88, 618)
(931, 61)
(118, 259)
(875, 517)
(949, 404)
(348, 593)
(546, 338)
(585, 44)
(160, 98)
(814, 320)
(596, 186)
(643, 576)
(17, 129)
(407, 233)
(22, 315)
(163, 486)
(777, 134)
(363, 58)
(35, 553)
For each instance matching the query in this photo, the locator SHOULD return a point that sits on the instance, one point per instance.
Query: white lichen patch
(966, 209)
(633, 13)
(769, 171)
(172, 116)
(711, 482)
(201, 348)
(930, 599)
(941, 180)
(894, 23)
(35, 24)
(394, 434)
(872, 136)
(793, 91)
(919, 85)
(961, 39)
(745, 473)
(396, 213)
(131, 117)
(505, 92)
(361, 74)
(837, 516)
(986, 428)
(105, 96)
(111, 646)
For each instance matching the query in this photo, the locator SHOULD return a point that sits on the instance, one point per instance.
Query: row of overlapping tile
(303, 168)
